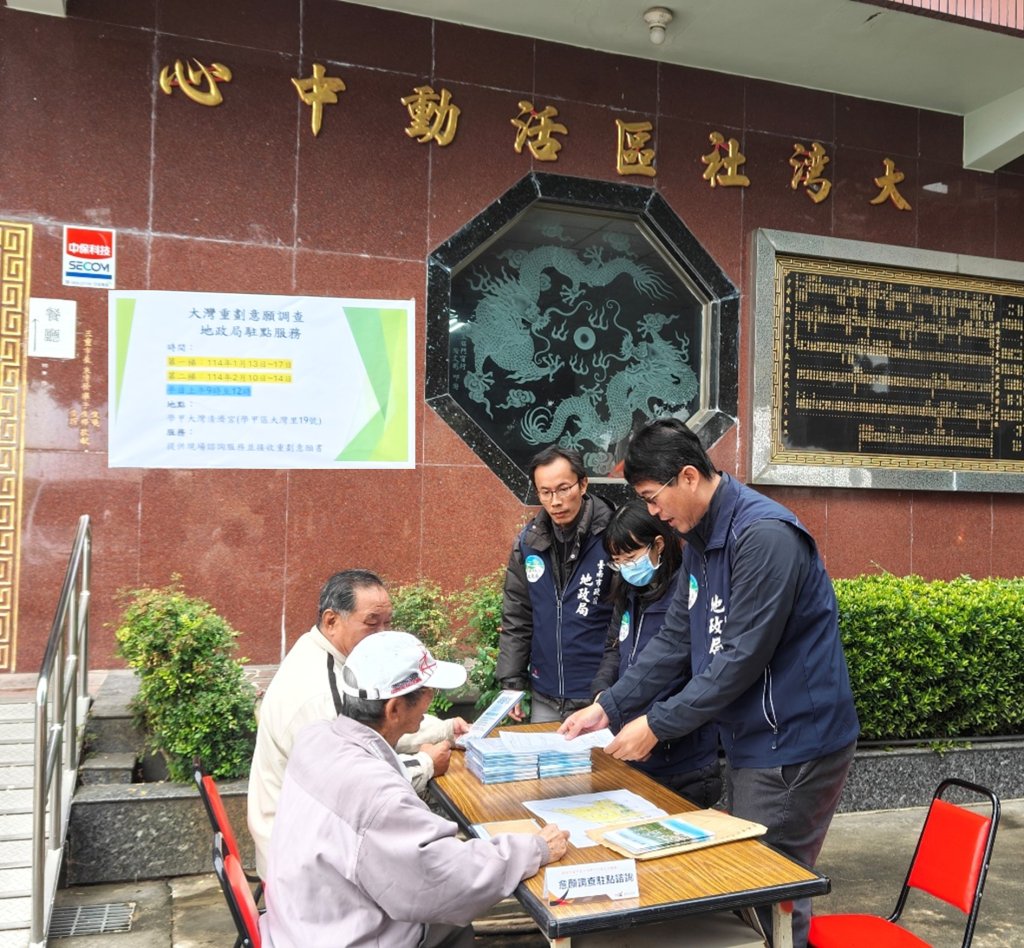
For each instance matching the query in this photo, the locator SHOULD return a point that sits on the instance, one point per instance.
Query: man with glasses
(754, 620)
(555, 611)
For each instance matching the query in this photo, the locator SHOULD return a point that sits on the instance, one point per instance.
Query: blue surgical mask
(640, 571)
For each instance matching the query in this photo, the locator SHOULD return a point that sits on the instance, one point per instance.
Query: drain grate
(104, 919)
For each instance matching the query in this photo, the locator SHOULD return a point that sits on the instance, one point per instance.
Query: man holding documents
(356, 858)
(754, 620)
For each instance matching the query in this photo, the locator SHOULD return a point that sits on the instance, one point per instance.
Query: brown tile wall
(242, 198)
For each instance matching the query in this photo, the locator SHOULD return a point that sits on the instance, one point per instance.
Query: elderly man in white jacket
(356, 858)
(353, 604)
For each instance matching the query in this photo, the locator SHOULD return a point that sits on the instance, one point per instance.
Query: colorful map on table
(586, 811)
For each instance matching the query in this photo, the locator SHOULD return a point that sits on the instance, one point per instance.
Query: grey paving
(865, 855)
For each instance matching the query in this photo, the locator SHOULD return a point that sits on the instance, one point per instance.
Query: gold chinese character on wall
(318, 90)
(631, 156)
(723, 170)
(198, 82)
(808, 165)
(432, 115)
(536, 129)
(887, 182)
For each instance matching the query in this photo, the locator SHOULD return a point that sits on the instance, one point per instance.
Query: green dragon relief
(552, 320)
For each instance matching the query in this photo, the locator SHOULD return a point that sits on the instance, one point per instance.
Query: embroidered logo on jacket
(716, 623)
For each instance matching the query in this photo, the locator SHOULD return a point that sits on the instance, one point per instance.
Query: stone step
(14, 938)
(17, 731)
(111, 728)
(17, 711)
(15, 853)
(13, 776)
(15, 825)
(114, 734)
(20, 754)
(16, 799)
(170, 832)
(15, 913)
(16, 882)
(107, 768)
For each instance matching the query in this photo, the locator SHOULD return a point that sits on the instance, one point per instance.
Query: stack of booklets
(490, 761)
(562, 763)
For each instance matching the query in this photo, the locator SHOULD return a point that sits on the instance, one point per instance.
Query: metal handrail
(62, 697)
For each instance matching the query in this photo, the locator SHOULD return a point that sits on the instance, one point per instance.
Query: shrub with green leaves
(422, 609)
(193, 696)
(934, 660)
(437, 618)
(478, 605)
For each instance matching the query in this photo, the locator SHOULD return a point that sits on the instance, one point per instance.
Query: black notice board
(886, 367)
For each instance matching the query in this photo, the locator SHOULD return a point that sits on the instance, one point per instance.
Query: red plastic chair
(218, 815)
(950, 863)
(237, 893)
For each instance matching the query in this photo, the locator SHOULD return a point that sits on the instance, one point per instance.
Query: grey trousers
(544, 709)
(796, 803)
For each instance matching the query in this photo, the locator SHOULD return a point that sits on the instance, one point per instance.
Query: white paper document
(517, 742)
(586, 811)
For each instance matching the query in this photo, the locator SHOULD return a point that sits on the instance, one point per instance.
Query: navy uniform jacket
(552, 639)
(683, 754)
(755, 622)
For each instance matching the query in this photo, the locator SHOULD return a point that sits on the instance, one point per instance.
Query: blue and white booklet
(491, 717)
(658, 834)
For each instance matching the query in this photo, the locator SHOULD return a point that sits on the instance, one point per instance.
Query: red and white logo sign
(89, 257)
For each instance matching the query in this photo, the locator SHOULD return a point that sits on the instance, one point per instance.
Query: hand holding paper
(591, 718)
(634, 742)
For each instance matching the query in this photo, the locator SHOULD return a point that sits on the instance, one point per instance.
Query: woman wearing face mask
(646, 555)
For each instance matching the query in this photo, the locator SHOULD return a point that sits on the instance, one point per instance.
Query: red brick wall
(242, 198)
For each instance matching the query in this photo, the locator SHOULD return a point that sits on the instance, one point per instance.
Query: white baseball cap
(388, 664)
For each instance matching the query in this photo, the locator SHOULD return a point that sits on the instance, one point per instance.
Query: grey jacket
(357, 859)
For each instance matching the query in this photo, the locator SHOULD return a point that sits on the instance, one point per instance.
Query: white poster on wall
(51, 328)
(225, 380)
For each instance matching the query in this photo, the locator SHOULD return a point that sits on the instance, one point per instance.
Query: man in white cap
(356, 857)
(353, 604)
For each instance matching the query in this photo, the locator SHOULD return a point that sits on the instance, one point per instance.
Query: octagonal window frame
(660, 224)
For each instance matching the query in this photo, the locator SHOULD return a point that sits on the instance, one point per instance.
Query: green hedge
(934, 660)
(931, 661)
